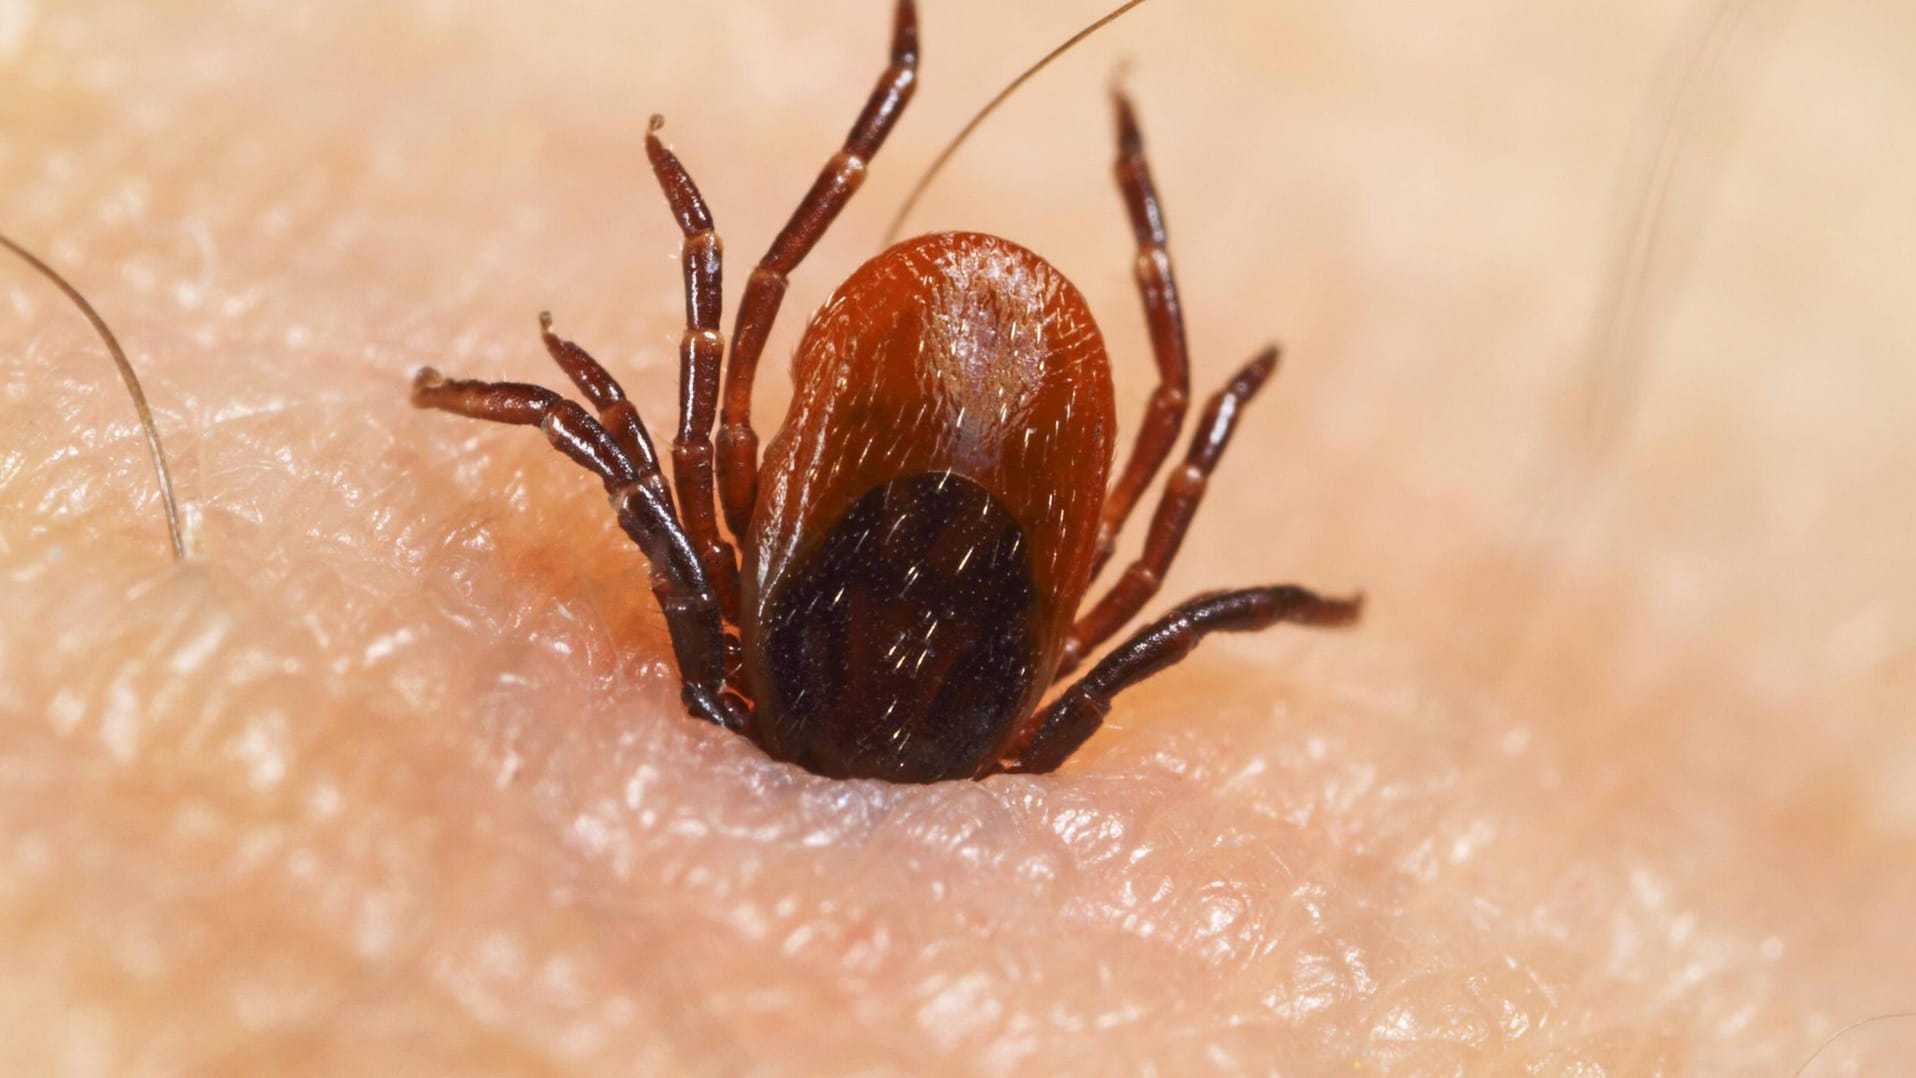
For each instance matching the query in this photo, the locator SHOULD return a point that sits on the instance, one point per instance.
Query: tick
(916, 544)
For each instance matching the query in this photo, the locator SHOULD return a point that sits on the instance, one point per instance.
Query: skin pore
(391, 776)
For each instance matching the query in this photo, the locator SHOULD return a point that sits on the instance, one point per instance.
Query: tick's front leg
(1074, 717)
(645, 512)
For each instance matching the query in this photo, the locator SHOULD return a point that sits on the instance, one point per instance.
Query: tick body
(917, 543)
(928, 514)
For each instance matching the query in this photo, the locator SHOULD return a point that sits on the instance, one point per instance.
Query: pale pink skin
(1615, 778)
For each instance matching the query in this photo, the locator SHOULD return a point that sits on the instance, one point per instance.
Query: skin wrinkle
(397, 770)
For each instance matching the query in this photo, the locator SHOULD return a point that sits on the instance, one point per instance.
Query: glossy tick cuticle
(913, 550)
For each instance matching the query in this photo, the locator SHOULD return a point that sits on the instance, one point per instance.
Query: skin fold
(1615, 778)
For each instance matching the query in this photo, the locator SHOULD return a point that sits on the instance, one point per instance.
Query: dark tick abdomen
(918, 603)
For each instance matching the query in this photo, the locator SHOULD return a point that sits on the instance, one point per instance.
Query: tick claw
(425, 380)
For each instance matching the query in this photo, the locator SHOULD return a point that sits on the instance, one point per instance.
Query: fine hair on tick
(127, 377)
(902, 578)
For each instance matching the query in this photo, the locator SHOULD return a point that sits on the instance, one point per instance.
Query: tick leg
(701, 351)
(842, 175)
(644, 508)
(1182, 493)
(616, 413)
(1075, 716)
(1164, 316)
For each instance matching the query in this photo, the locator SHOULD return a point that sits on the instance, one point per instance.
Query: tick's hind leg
(645, 512)
(1182, 493)
(1075, 716)
(1163, 316)
(842, 175)
(701, 351)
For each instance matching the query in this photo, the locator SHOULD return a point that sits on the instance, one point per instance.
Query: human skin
(391, 776)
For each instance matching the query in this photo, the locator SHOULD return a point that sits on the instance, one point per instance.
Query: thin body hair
(1652, 240)
(131, 379)
(978, 118)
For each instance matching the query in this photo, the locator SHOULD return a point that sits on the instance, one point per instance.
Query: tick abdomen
(927, 512)
(902, 644)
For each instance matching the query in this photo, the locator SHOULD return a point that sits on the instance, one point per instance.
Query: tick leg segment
(616, 413)
(701, 351)
(842, 175)
(1182, 493)
(1164, 316)
(1076, 715)
(644, 508)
